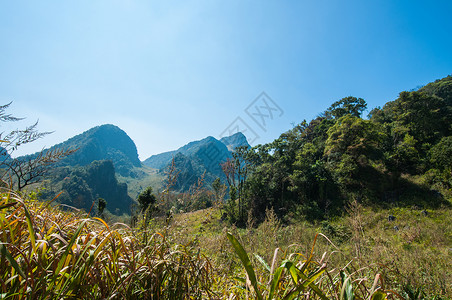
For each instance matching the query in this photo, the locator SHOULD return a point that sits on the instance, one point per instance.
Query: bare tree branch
(24, 171)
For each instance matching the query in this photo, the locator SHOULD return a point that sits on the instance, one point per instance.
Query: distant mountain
(198, 158)
(161, 160)
(105, 142)
(234, 141)
(90, 173)
(105, 151)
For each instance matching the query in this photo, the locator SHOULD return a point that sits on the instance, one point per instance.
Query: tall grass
(47, 253)
(412, 262)
(300, 276)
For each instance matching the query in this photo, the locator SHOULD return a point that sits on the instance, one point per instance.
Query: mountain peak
(103, 142)
(236, 140)
(199, 158)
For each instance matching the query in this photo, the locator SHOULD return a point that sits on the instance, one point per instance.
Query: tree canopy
(315, 168)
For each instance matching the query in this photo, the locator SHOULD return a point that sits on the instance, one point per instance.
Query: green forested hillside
(441, 88)
(397, 156)
(82, 186)
(105, 142)
(90, 173)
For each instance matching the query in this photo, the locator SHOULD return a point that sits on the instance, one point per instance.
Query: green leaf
(262, 261)
(308, 281)
(275, 281)
(30, 229)
(246, 263)
(347, 287)
(66, 252)
(378, 295)
(4, 252)
(8, 205)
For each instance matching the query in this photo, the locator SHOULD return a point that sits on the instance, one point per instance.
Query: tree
(352, 151)
(354, 136)
(441, 154)
(425, 117)
(27, 171)
(346, 106)
(236, 171)
(146, 200)
(441, 159)
(219, 191)
(313, 182)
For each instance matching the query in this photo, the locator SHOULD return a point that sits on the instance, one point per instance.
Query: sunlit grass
(48, 253)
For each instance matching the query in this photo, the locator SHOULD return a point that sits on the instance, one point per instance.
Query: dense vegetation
(83, 186)
(108, 151)
(49, 253)
(106, 142)
(400, 155)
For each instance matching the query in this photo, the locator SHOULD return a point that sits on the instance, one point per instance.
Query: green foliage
(441, 154)
(198, 159)
(353, 136)
(301, 276)
(441, 88)
(48, 253)
(105, 142)
(218, 189)
(146, 200)
(312, 169)
(346, 106)
(426, 117)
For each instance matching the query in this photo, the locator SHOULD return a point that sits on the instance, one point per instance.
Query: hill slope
(82, 186)
(90, 173)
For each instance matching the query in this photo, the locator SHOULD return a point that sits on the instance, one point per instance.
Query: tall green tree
(237, 171)
(146, 200)
(352, 150)
(346, 106)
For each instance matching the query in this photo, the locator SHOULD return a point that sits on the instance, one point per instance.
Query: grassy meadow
(53, 252)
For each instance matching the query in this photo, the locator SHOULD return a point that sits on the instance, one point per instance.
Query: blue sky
(170, 72)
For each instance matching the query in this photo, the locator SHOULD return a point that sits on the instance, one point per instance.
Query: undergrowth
(48, 252)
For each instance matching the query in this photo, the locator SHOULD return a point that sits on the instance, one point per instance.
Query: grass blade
(4, 252)
(246, 263)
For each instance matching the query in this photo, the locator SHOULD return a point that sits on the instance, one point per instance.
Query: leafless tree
(24, 171)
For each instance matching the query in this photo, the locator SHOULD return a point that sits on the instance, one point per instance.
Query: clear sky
(170, 72)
